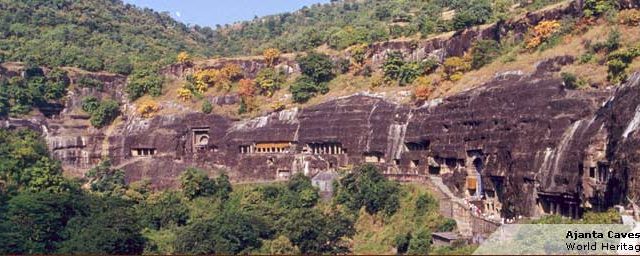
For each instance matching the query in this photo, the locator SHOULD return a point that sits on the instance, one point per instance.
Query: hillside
(94, 35)
(344, 23)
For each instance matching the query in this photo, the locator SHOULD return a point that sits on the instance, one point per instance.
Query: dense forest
(110, 35)
(94, 35)
(42, 212)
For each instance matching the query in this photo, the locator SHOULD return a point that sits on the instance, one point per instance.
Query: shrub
(207, 107)
(484, 52)
(269, 80)
(343, 65)
(358, 53)
(317, 66)
(408, 73)
(89, 82)
(454, 67)
(595, 8)
(572, 82)
(271, 56)
(474, 13)
(304, 88)
(392, 65)
(630, 17)
(611, 44)
(430, 65)
(142, 82)
(183, 57)
(401, 243)
(618, 62)
(184, 94)
(90, 104)
(148, 109)
(586, 58)
(105, 113)
(232, 71)
(541, 33)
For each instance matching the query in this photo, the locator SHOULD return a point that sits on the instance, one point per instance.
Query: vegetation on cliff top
(95, 35)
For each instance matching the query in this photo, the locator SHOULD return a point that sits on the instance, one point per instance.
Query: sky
(212, 12)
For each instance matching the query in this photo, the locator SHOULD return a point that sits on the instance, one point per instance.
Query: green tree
(223, 187)
(227, 233)
(144, 81)
(474, 13)
(401, 243)
(164, 211)
(112, 227)
(269, 80)
(105, 113)
(195, 183)
(420, 243)
(90, 104)
(315, 233)
(106, 180)
(304, 88)
(367, 187)
(392, 64)
(484, 52)
(35, 222)
(317, 66)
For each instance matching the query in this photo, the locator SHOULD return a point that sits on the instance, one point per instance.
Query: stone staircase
(450, 205)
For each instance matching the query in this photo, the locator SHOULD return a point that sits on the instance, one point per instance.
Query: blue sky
(212, 12)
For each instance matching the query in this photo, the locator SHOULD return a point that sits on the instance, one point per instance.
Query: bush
(541, 33)
(148, 109)
(183, 57)
(105, 113)
(474, 13)
(455, 67)
(207, 107)
(401, 243)
(90, 104)
(269, 80)
(611, 44)
(317, 66)
(429, 65)
(304, 88)
(630, 17)
(367, 187)
(392, 65)
(570, 80)
(271, 56)
(484, 52)
(595, 8)
(618, 62)
(358, 53)
(142, 82)
(89, 82)
(343, 65)
(420, 243)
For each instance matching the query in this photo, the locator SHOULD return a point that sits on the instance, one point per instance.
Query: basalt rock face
(520, 139)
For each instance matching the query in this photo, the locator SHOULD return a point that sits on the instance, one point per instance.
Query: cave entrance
(418, 146)
(434, 170)
(200, 139)
(277, 147)
(374, 157)
(326, 148)
(283, 174)
(142, 152)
